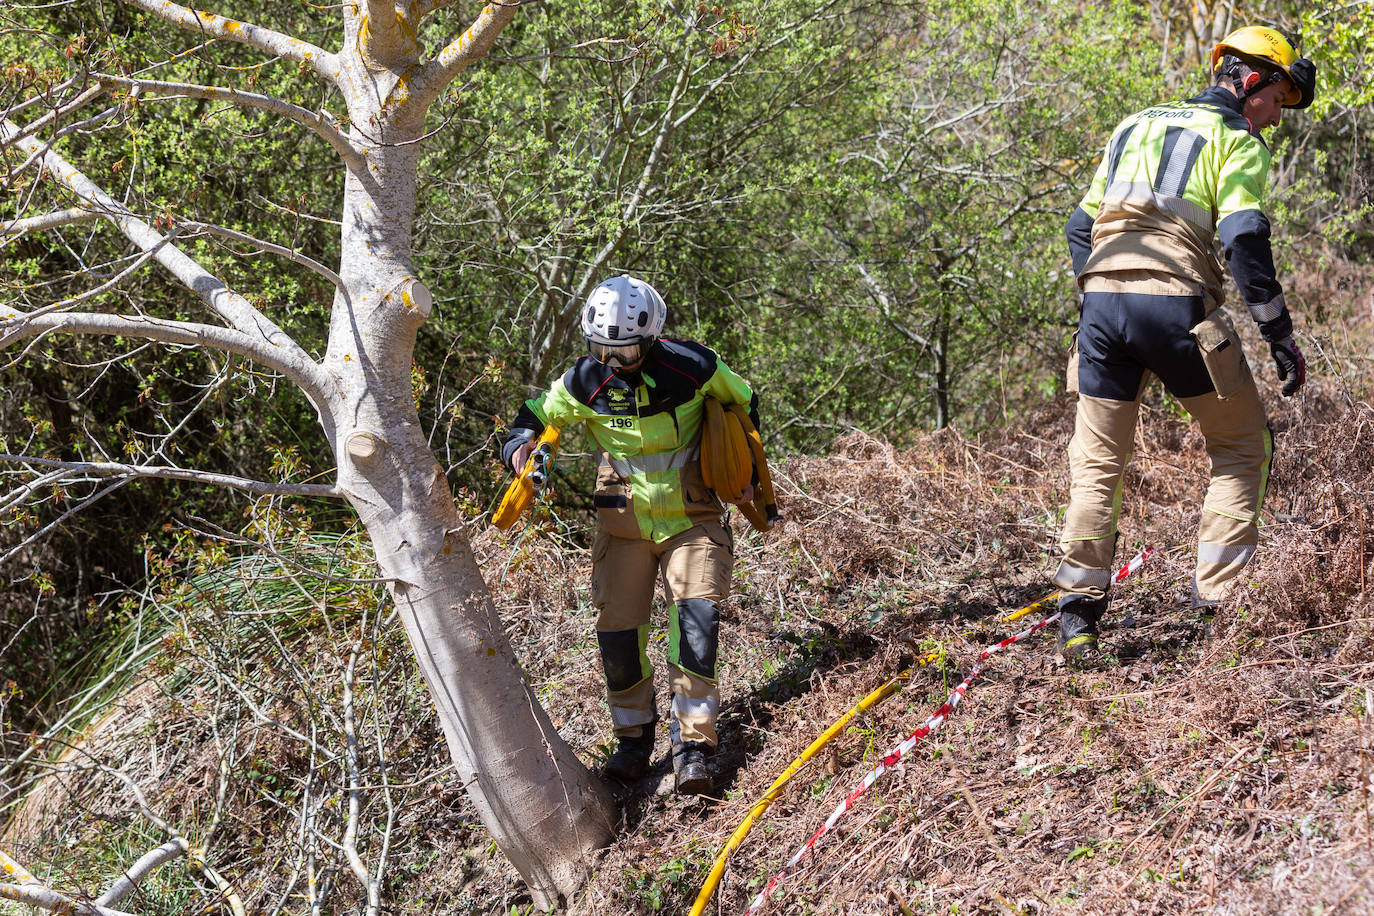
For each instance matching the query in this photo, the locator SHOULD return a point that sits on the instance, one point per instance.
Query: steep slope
(1206, 766)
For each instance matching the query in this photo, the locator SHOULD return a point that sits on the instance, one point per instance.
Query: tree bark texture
(547, 813)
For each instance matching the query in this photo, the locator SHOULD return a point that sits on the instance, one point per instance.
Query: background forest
(859, 204)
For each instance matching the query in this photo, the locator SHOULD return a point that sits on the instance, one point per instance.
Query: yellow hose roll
(726, 466)
(732, 457)
(763, 514)
(712, 433)
(738, 464)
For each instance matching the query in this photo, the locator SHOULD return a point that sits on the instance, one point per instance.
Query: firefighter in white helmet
(641, 398)
(1174, 180)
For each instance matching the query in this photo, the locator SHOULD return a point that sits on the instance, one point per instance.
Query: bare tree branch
(350, 837)
(254, 335)
(115, 468)
(45, 898)
(374, 896)
(14, 870)
(56, 114)
(61, 519)
(17, 228)
(118, 278)
(272, 42)
(269, 247)
(27, 889)
(321, 122)
(20, 494)
(195, 858)
(127, 882)
(44, 97)
(304, 373)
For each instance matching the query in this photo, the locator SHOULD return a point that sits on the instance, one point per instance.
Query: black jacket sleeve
(1245, 241)
(1079, 233)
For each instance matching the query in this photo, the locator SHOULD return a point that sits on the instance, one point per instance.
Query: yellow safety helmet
(1265, 50)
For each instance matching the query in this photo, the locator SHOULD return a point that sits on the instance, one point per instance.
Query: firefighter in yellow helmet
(1174, 180)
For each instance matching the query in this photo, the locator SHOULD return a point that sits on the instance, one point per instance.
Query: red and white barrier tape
(929, 726)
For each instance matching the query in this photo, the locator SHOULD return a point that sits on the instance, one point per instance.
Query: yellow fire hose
(526, 486)
(882, 693)
(1043, 603)
(760, 806)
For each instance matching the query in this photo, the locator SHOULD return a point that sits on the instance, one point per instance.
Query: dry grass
(1205, 768)
(1218, 767)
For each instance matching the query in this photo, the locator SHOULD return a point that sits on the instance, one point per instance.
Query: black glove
(1291, 365)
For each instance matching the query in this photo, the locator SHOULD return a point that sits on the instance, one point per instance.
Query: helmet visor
(622, 355)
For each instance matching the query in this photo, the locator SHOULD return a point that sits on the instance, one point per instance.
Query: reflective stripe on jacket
(1173, 179)
(647, 427)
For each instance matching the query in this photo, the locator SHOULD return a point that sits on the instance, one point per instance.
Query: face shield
(623, 356)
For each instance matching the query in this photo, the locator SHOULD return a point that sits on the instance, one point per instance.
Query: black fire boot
(631, 758)
(689, 763)
(1078, 619)
(1205, 611)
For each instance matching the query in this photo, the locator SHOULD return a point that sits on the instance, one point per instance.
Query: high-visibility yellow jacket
(1175, 179)
(647, 427)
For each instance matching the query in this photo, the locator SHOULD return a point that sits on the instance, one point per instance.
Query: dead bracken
(1214, 765)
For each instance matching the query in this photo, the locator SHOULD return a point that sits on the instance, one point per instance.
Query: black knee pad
(699, 625)
(620, 657)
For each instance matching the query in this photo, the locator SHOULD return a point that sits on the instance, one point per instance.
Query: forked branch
(471, 46)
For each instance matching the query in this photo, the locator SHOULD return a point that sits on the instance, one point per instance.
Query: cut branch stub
(412, 300)
(364, 446)
(416, 297)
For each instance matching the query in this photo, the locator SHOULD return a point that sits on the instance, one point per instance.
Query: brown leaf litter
(1204, 766)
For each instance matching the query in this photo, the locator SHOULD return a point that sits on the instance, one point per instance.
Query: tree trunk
(942, 369)
(547, 813)
(543, 808)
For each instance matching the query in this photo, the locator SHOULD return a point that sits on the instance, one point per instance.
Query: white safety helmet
(623, 318)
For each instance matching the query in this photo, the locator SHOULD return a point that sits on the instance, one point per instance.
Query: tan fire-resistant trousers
(695, 566)
(1240, 448)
